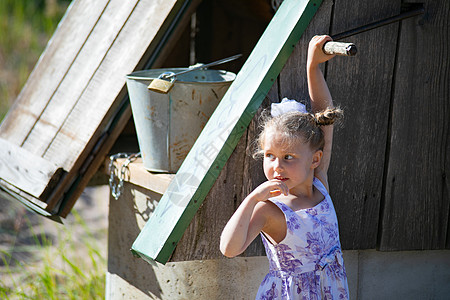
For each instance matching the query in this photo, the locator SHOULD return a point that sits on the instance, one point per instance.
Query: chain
(117, 175)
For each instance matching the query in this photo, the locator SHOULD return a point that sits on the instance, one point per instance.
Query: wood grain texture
(108, 80)
(25, 170)
(65, 98)
(253, 167)
(357, 167)
(92, 115)
(95, 158)
(416, 208)
(49, 72)
(201, 239)
(66, 109)
(222, 132)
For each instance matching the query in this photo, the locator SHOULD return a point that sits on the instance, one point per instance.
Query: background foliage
(25, 28)
(40, 259)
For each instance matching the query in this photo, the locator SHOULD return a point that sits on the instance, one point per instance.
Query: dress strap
(319, 185)
(286, 210)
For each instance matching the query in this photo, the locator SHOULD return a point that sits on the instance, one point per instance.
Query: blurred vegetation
(25, 28)
(39, 267)
(66, 269)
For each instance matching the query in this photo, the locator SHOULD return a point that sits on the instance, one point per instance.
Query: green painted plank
(221, 134)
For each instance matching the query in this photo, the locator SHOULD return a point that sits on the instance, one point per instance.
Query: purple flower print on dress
(270, 254)
(335, 269)
(322, 221)
(327, 293)
(315, 244)
(332, 231)
(343, 293)
(311, 211)
(292, 223)
(271, 293)
(284, 288)
(287, 260)
(311, 235)
(309, 282)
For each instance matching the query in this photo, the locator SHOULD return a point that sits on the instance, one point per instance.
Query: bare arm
(320, 97)
(251, 217)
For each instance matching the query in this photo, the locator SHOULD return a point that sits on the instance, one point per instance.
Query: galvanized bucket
(167, 125)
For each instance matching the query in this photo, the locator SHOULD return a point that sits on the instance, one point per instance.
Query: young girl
(293, 211)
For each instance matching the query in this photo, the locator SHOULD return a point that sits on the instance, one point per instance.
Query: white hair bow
(287, 105)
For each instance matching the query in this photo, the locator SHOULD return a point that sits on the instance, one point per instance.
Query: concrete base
(371, 274)
(212, 279)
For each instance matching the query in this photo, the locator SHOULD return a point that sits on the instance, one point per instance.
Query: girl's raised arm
(320, 97)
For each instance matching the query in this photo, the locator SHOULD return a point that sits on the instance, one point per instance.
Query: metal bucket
(167, 125)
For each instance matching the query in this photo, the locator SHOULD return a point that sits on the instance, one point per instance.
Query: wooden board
(359, 154)
(62, 49)
(67, 98)
(220, 23)
(223, 131)
(27, 171)
(417, 199)
(74, 104)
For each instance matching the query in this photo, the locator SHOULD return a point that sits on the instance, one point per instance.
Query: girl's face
(293, 163)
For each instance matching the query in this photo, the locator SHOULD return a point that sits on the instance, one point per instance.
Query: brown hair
(295, 125)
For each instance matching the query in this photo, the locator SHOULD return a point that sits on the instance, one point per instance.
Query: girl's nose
(278, 165)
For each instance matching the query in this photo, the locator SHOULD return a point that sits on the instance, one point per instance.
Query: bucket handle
(218, 62)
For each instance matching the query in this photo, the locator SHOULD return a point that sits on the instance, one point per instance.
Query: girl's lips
(281, 178)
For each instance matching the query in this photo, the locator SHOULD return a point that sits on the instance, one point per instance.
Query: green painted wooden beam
(202, 166)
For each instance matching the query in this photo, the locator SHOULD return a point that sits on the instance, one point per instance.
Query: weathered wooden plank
(293, 82)
(417, 200)
(114, 73)
(11, 193)
(223, 131)
(87, 61)
(97, 98)
(25, 170)
(365, 95)
(53, 64)
(201, 238)
(138, 175)
(253, 168)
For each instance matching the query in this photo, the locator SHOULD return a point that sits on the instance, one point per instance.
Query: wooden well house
(391, 159)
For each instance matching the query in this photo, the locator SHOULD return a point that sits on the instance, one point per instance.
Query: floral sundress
(308, 263)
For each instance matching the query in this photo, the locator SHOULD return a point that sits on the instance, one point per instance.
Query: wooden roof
(74, 103)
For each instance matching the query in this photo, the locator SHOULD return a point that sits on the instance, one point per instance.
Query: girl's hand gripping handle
(338, 48)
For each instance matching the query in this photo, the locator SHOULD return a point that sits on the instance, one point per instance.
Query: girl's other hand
(316, 55)
(271, 188)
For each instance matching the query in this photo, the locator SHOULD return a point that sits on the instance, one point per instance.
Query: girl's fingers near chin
(275, 193)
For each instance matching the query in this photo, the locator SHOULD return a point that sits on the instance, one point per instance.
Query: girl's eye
(268, 155)
(288, 156)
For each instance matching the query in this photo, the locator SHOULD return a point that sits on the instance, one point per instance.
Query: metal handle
(338, 48)
(218, 62)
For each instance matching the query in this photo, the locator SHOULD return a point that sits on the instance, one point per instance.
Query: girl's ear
(317, 158)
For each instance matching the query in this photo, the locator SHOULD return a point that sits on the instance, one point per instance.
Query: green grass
(69, 269)
(25, 28)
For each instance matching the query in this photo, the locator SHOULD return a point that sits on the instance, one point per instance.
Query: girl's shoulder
(275, 221)
(269, 208)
